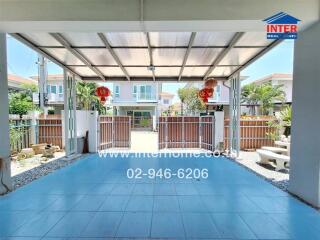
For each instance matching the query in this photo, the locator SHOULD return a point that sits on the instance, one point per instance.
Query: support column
(5, 163)
(305, 143)
(70, 123)
(234, 115)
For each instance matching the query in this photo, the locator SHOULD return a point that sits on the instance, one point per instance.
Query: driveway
(94, 199)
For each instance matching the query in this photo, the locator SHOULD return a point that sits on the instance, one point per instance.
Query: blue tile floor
(94, 199)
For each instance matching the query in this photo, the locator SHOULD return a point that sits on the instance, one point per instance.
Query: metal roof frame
(75, 50)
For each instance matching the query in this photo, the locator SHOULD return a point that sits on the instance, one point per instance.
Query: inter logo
(282, 26)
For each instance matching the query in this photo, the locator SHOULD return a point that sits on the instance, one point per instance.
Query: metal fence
(20, 134)
(49, 130)
(253, 133)
(114, 131)
(186, 132)
(25, 131)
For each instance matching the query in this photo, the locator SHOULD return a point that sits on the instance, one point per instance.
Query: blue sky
(22, 61)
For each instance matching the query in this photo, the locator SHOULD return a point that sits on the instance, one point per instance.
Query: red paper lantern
(103, 93)
(210, 83)
(205, 93)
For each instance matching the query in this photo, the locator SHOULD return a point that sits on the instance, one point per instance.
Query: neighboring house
(284, 79)
(165, 102)
(54, 90)
(138, 100)
(16, 82)
(221, 95)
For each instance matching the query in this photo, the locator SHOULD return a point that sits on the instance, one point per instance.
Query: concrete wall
(305, 157)
(5, 165)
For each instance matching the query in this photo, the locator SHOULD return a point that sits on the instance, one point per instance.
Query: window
(134, 91)
(53, 89)
(117, 91)
(60, 89)
(145, 92)
(165, 101)
(48, 88)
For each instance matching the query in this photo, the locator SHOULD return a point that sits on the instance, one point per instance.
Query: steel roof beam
(224, 52)
(113, 54)
(153, 47)
(77, 54)
(185, 59)
(150, 55)
(31, 45)
(158, 79)
(257, 56)
(156, 66)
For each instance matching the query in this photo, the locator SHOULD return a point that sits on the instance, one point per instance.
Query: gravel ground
(250, 161)
(30, 175)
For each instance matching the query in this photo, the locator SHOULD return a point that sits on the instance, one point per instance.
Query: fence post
(182, 134)
(200, 131)
(33, 129)
(166, 138)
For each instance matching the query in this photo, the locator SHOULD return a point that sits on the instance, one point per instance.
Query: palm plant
(86, 98)
(265, 95)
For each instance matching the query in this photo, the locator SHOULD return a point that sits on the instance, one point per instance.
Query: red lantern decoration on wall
(103, 92)
(204, 94)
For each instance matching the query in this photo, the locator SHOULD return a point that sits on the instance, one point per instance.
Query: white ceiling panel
(122, 39)
(111, 71)
(168, 56)
(223, 71)
(167, 71)
(100, 56)
(238, 56)
(83, 39)
(194, 71)
(139, 71)
(203, 56)
(213, 38)
(158, 39)
(254, 39)
(41, 39)
(84, 71)
(64, 56)
(133, 56)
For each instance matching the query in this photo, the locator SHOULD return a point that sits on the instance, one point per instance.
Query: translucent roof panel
(194, 71)
(111, 71)
(121, 39)
(167, 71)
(83, 39)
(173, 56)
(42, 39)
(254, 39)
(223, 71)
(168, 51)
(213, 38)
(174, 39)
(139, 71)
(133, 56)
(100, 56)
(203, 56)
(238, 56)
(84, 71)
(64, 56)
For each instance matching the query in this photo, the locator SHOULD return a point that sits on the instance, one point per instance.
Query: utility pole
(42, 68)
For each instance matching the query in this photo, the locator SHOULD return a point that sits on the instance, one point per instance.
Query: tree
(250, 95)
(265, 95)
(189, 99)
(20, 103)
(86, 98)
(182, 93)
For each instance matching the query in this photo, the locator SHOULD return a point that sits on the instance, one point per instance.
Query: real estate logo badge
(282, 26)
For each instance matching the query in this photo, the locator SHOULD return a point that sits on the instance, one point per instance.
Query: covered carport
(149, 40)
